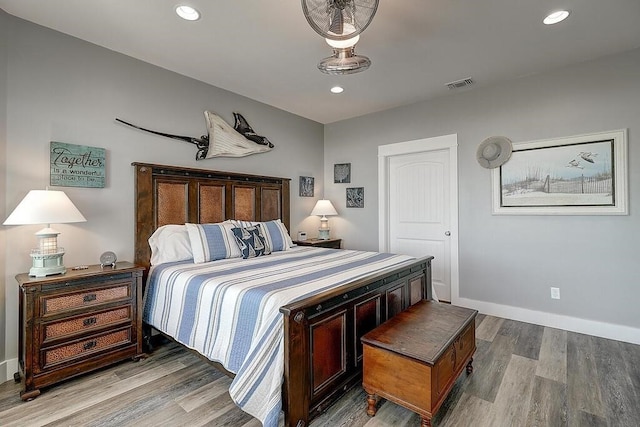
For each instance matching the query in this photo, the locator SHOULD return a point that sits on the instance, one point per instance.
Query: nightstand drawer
(84, 348)
(67, 327)
(58, 303)
(318, 243)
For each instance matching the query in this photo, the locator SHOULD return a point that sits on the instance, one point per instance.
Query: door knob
(447, 233)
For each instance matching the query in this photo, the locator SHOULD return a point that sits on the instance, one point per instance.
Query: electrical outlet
(555, 293)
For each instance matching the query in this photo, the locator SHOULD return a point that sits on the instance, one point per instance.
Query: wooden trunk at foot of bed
(323, 354)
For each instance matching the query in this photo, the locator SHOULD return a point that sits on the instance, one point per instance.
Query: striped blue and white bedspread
(228, 310)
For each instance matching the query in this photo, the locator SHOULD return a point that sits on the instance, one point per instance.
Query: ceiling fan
(340, 22)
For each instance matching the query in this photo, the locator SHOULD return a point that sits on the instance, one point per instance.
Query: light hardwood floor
(525, 375)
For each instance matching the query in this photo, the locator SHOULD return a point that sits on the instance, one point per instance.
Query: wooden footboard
(323, 353)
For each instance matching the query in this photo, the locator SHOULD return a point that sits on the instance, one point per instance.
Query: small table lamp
(323, 208)
(46, 207)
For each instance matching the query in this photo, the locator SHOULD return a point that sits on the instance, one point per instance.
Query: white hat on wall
(494, 152)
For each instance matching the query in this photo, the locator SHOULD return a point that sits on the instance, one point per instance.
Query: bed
(317, 332)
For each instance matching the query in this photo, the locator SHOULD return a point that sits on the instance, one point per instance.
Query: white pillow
(170, 243)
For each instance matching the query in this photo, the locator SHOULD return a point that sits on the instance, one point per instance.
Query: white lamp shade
(45, 207)
(324, 208)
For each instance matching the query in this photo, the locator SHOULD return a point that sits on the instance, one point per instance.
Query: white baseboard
(7, 369)
(559, 321)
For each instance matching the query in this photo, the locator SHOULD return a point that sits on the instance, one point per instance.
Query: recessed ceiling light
(337, 89)
(188, 13)
(555, 17)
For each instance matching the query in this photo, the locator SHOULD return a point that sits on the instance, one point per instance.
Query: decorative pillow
(274, 231)
(170, 243)
(277, 234)
(251, 241)
(211, 242)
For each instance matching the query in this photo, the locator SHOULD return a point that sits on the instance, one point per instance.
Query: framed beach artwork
(577, 175)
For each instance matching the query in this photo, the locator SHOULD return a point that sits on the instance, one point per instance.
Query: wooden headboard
(176, 195)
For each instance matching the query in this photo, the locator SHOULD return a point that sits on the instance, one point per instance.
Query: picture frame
(355, 197)
(342, 173)
(575, 175)
(73, 165)
(306, 186)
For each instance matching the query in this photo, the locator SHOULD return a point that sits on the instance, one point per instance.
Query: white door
(421, 214)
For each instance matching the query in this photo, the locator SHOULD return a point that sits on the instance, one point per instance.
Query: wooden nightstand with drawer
(77, 322)
(319, 243)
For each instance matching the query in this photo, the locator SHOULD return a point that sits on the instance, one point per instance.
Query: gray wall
(63, 89)
(3, 167)
(513, 260)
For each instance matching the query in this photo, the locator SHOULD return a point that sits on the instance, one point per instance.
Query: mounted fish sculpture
(222, 140)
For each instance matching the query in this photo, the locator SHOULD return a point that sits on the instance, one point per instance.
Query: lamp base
(47, 264)
(323, 234)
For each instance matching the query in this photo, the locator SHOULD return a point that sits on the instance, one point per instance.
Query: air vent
(460, 83)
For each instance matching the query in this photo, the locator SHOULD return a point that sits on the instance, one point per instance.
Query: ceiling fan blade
(336, 23)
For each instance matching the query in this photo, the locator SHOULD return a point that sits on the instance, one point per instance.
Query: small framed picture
(306, 186)
(355, 197)
(342, 173)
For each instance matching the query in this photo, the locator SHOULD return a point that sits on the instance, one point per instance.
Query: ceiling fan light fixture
(338, 41)
(342, 44)
(340, 23)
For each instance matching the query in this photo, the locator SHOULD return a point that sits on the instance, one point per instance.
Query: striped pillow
(277, 235)
(211, 242)
(274, 231)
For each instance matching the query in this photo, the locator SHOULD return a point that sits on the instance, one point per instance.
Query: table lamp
(46, 207)
(322, 209)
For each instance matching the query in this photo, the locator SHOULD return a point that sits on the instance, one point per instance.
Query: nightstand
(78, 322)
(330, 243)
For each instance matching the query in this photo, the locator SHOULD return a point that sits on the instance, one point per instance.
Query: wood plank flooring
(525, 375)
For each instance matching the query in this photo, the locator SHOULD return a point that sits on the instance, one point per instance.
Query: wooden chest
(77, 322)
(414, 358)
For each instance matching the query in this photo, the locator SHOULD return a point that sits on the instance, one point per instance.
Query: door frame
(385, 152)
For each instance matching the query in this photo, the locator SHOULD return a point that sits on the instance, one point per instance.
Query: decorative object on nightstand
(76, 323)
(108, 259)
(322, 209)
(46, 207)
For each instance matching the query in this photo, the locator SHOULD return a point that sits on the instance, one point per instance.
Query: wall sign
(77, 165)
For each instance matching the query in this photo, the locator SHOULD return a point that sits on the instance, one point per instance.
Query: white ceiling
(265, 50)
